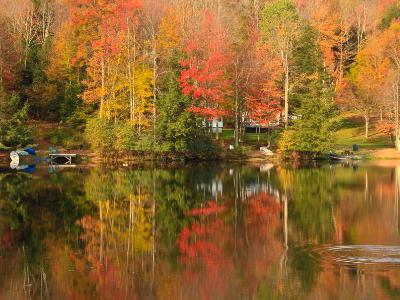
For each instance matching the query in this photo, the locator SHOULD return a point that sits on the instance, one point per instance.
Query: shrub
(145, 142)
(103, 135)
(203, 146)
(56, 137)
(125, 136)
(100, 135)
(74, 142)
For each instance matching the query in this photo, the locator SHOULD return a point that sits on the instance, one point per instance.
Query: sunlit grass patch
(354, 133)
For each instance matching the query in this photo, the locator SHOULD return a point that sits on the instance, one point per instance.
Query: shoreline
(91, 157)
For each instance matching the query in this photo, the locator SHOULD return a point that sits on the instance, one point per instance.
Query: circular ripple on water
(365, 256)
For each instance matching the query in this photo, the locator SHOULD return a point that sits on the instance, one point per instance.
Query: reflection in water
(201, 232)
(365, 256)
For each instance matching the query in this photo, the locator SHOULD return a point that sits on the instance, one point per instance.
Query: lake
(204, 231)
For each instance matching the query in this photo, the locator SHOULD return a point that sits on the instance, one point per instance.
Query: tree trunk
(154, 89)
(396, 99)
(236, 116)
(286, 64)
(102, 88)
(128, 41)
(217, 130)
(1, 69)
(132, 72)
(366, 118)
(361, 21)
(26, 51)
(256, 7)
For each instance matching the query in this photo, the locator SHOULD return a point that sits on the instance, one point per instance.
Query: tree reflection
(196, 232)
(216, 259)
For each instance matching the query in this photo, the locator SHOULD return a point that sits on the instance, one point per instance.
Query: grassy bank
(377, 146)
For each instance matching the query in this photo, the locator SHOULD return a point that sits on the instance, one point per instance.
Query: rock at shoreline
(266, 151)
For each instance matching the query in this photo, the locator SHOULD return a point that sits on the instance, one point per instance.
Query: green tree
(13, 130)
(100, 134)
(313, 129)
(178, 129)
(392, 13)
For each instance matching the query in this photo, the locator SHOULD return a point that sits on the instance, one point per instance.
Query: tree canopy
(159, 72)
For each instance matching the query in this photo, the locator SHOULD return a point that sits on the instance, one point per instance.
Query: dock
(62, 158)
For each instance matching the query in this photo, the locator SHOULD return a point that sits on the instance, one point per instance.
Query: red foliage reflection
(218, 253)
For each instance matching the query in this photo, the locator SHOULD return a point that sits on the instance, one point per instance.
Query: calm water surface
(201, 232)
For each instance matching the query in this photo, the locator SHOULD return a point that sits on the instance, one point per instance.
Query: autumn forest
(156, 75)
(199, 149)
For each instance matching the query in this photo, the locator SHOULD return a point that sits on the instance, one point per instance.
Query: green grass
(353, 132)
(227, 135)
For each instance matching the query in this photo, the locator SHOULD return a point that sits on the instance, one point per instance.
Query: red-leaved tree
(205, 78)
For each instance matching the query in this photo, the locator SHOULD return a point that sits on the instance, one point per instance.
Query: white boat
(14, 157)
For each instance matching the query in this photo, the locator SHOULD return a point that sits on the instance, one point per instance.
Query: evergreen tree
(177, 128)
(313, 128)
(13, 130)
(392, 13)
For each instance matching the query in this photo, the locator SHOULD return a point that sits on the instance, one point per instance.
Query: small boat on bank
(17, 155)
(345, 156)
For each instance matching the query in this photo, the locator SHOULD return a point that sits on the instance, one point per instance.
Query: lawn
(353, 132)
(249, 138)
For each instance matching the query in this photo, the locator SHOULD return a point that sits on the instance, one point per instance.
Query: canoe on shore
(345, 157)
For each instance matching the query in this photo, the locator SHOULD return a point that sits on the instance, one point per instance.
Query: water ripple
(380, 257)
